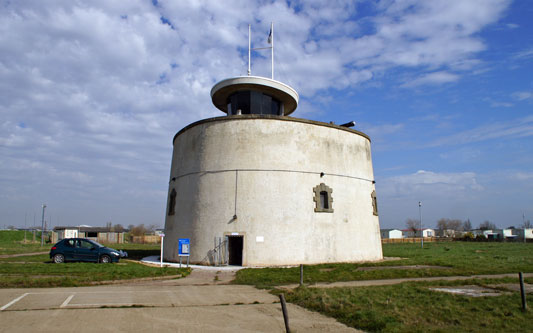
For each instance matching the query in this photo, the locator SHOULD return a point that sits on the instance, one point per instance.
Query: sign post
(161, 258)
(184, 246)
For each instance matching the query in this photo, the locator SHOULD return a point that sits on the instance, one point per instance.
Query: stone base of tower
(258, 190)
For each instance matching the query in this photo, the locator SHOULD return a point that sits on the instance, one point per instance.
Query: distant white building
(520, 233)
(391, 234)
(408, 233)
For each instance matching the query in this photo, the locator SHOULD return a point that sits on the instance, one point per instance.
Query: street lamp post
(42, 227)
(421, 231)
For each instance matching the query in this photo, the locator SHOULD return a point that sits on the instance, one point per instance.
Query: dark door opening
(235, 244)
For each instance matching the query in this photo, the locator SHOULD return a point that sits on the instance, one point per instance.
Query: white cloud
(431, 183)
(522, 127)
(525, 54)
(523, 95)
(501, 105)
(432, 78)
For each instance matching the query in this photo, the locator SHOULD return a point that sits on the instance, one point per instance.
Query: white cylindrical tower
(259, 188)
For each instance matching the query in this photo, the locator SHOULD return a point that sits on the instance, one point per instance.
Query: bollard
(522, 292)
(285, 314)
(301, 275)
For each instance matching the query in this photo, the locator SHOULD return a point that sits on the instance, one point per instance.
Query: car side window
(86, 244)
(69, 243)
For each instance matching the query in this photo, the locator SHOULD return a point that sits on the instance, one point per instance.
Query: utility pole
(421, 231)
(25, 218)
(42, 226)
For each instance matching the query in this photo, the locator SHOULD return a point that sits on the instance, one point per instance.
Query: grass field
(410, 306)
(36, 271)
(12, 241)
(413, 307)
(453, 258)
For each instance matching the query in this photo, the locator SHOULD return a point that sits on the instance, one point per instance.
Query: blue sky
(93, 92)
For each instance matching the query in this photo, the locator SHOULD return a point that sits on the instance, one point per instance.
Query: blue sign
(184, 245)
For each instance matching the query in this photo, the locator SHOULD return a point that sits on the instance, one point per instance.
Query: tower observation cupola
(254, 95)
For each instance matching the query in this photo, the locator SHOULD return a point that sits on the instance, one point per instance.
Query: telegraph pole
(42, 226)
(421, 231)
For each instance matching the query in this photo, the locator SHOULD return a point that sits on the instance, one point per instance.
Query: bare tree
(442, 224)
(138, 230)
(467, 225)
(412, 225)
(455, 225)
(151, 228)
(487, 225)
(527, 225)
(447, 224)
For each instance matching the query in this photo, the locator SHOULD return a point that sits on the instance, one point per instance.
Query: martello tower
(258, 187)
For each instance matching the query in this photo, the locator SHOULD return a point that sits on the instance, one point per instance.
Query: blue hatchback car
(81, 249)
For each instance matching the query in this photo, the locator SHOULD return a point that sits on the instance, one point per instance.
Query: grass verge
(46, 274)
(412, 307)
(453, 258)
(16, 241)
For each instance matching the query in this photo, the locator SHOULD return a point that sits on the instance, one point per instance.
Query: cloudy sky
(92, 93)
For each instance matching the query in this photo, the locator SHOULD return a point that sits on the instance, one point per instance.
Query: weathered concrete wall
(264, 169)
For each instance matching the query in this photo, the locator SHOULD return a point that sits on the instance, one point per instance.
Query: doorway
(235, 246)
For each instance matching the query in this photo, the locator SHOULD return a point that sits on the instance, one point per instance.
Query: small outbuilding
(391, 234)
(98, 234)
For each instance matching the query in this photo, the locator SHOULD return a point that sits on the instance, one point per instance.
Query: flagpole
(249, 48)
(272, 29)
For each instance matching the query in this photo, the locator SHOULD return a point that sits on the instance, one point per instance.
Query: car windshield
(95, 243)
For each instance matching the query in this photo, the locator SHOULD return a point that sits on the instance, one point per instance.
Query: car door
(69, 249)
(86, 250)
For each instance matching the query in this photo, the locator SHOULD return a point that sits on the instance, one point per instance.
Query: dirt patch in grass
(326, 269)
(472, 291)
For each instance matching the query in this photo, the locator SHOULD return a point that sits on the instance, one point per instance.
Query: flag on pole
(270, 36)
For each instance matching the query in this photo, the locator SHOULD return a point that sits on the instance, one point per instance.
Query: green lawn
(34, 274)
(457, 258)
(12, 241)
(412, 307)
(38, 271)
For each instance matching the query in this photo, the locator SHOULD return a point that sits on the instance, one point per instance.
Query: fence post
(522, 292)
(285, 314)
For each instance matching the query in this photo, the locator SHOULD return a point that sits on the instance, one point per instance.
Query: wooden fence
(146, 239)
(408, 240)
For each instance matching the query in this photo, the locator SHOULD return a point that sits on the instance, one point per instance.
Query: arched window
(322, 198)
(171, 202)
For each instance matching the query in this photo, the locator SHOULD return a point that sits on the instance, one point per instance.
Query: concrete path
(202, 302)
(22, 254)
(397, 281)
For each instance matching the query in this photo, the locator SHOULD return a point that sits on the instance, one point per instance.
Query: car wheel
(59, 258)
(105, 259)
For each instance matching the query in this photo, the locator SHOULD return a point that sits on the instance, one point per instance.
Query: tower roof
(221, 92)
